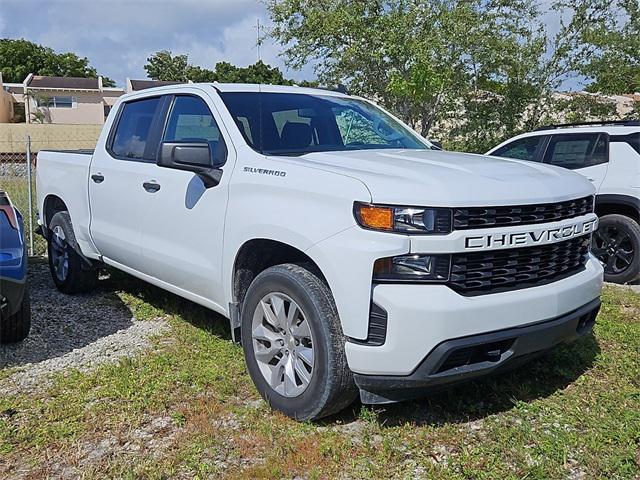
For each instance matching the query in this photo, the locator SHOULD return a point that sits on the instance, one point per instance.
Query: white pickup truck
(350, 254)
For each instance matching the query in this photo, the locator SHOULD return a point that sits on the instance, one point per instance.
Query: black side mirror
(195, 157)
(437, 144)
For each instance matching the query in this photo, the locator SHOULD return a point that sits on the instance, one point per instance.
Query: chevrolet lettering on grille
(531, 237)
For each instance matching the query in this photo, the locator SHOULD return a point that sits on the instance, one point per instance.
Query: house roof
(144, 84)
(66, 83)
(13, 87)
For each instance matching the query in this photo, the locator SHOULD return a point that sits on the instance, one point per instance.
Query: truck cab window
(578, 150)
(522, 149)
(133, 127)
(301, 123)
(356, 129)
(191, 120)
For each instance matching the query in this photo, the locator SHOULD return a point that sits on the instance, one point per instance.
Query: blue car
(15, 309)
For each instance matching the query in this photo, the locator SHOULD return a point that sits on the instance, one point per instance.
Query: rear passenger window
(577, 150)
(133, 127)
(522, 149)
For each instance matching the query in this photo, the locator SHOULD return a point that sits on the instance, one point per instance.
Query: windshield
(295, 124)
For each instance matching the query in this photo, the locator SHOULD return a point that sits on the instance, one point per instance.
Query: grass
(187, 408)
(18, 189)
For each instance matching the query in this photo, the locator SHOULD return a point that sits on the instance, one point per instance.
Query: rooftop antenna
(259, 39)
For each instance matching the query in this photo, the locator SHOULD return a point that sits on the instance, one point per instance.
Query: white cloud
(118, 36)
(237, 44)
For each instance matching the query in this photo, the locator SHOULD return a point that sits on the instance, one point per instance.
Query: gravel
(71, 332)
(634, 287)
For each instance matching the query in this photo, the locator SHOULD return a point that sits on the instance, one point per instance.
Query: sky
(117, 36)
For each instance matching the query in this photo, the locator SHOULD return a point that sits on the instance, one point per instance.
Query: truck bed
(65, 174)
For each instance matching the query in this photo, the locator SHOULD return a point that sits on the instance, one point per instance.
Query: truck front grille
(488, 217)
(502, 270)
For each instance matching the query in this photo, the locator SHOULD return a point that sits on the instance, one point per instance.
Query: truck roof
(254, 87)
(601, 128)
(243, 87)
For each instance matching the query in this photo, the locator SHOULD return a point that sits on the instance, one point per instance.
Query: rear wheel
(70, 271)
(16, 327)
(616, 243)
(294, 345)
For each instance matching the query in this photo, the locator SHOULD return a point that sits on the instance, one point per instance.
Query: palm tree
(41, 113)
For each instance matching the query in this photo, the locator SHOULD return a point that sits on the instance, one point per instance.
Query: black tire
(80, 277)
(331, 387)
(616, 243)
(16, 327)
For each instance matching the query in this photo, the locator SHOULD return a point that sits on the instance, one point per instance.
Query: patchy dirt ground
(71, 332)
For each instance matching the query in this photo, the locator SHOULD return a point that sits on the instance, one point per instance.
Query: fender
(626, 200)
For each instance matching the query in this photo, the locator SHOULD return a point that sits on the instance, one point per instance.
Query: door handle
(97, 177)
(151, 187)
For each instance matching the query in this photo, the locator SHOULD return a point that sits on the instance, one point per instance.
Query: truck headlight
(411, 220)
(412, 268)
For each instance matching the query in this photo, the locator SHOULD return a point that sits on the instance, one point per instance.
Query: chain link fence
(17, 178)
(18, 164)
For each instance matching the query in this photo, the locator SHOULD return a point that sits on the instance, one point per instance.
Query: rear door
(585, 153)
(119, 167)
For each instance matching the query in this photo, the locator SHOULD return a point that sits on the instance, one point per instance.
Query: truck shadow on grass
(155, 301)
(474, 400)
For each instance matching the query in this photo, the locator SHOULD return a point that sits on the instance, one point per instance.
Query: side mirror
(437, 144)
(195, 157)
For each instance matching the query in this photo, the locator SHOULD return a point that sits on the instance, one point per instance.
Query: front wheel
(616, 243)
(294, 345)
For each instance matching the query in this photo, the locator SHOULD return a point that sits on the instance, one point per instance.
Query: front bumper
(465, 358)
(421, 317)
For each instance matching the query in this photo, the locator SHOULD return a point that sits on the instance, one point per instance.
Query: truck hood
(449, 179)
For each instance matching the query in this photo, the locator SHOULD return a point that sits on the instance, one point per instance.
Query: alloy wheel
(614, 248)
(283, 344)
(59, 253)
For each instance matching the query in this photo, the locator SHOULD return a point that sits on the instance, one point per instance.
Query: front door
(183, 224)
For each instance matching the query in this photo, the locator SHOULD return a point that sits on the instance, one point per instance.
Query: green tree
(580, 107)
(613, 34)
(259, 72)
(163, 65)
(477, 70)
(19, 57)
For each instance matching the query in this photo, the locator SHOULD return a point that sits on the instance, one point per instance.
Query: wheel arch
(256, 255)
(51, 205)
(618, 204)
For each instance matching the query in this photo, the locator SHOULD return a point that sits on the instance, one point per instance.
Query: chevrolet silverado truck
(350, 254)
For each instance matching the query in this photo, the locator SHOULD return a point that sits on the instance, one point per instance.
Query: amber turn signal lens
(378, 218)
(383, 266)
